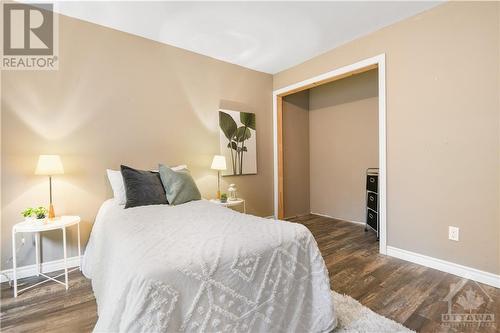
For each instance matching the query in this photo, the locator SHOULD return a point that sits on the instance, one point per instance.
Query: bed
(199, 267)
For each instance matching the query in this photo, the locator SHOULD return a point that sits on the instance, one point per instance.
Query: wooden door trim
(329, 80)
(281, 203)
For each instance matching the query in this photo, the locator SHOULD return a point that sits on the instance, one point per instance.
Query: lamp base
(51, 212)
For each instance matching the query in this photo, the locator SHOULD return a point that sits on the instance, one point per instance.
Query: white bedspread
(198, 267)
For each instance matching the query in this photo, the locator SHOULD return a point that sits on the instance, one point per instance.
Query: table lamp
(218, 163)
(49, 165)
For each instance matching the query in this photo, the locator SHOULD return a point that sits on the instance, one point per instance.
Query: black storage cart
(372, 202)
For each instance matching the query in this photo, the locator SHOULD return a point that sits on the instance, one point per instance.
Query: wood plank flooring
(410, 294)
(405, 292)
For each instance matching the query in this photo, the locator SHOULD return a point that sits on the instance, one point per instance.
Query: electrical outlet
(453, 233)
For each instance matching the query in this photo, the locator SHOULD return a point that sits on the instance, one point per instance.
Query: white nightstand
(37, 227)
(231, 203)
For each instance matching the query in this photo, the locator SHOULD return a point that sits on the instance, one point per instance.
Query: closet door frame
(334, 75)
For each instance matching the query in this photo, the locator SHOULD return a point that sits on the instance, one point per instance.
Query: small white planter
(40, 221)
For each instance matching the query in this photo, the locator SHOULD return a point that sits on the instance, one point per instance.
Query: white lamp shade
(49, 165)
(219, 162)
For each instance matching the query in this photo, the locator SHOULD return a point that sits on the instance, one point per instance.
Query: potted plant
(40, 212)
(31, 214)
(223, 198)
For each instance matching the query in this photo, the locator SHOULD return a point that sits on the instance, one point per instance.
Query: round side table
(231, 203)
(37, 227)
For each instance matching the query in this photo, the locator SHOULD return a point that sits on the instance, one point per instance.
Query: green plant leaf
(242, 134)
(227, 124)
(248, 119)
(232, 145)
(27, 212)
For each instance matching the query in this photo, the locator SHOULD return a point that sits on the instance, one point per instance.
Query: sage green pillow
(179, 185)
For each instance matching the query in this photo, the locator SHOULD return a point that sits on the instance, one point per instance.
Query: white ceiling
(265, 36)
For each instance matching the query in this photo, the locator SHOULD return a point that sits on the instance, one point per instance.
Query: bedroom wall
(119, 98)
(296, 154)
(442, 77)
(343, 134)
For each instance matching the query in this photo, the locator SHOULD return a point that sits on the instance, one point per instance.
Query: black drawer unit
(372, 206)
(372, 219)
(372, 183)
(372, 200)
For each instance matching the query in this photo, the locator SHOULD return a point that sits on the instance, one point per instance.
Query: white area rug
(353, 317)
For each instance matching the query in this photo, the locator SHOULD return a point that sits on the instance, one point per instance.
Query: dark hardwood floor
(405, 292)
(49, 307)
(410, 294)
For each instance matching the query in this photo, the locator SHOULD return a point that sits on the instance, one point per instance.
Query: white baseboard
(446, 266)
(338, 218)
(47, 267)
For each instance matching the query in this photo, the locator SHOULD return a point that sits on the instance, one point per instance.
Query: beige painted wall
(343, 136)
(442, 128)
(296, 154)
(118, 98)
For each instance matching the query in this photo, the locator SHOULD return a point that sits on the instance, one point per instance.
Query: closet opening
(330, 148)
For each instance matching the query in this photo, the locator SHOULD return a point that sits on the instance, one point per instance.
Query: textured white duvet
(199, 267)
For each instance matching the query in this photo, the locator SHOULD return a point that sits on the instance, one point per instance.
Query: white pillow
(118, 186)
(179, 167)
(116, 181)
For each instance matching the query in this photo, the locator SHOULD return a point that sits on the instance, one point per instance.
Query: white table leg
(79, 247)
(37, 253)
(14, 275)
(65, 259)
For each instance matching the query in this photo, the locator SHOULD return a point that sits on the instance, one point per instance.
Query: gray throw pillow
(179, 185)
(142, 187)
